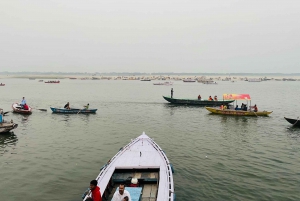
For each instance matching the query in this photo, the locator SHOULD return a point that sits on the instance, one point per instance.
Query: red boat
(53, 82)
(18, 109)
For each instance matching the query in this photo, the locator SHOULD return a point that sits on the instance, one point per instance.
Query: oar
(5, 113)
(296, 121)
(79, 111)
(45, 110)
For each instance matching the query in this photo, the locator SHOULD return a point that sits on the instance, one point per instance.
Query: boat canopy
(236, 97)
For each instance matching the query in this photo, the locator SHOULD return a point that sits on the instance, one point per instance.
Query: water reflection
(7, 139)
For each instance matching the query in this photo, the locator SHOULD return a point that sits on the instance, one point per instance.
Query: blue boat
(73, 111)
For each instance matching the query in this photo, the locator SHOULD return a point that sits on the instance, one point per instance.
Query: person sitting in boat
(242, 106)
(67, 106)
(216, 98)
(245, 108)
(96, 194)
(237, 107)
(222, 107)
(134, 182)
(25, 107)
(86, 107)
(210, 98)
(255, 108)
(225, 107)
(23, 102)
(121, 194)
(199, 97)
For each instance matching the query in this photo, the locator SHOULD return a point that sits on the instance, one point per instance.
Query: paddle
(45, 110)
(5, 113)
(79, 111)
(296, 121)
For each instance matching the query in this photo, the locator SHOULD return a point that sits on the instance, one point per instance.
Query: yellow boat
(237, 112)
(244, 97)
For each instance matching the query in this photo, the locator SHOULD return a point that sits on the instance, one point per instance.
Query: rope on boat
(296, 121)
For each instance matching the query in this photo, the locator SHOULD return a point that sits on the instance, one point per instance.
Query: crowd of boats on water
(141, 170)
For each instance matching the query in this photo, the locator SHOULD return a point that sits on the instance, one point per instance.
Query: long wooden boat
(17, 109)
(6, 126)
(294, 122)
(142, 160)
(237, 112)
(197, 102)
(73, 110)
(53, 82)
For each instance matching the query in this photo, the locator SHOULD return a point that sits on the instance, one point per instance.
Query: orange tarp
(236, 97)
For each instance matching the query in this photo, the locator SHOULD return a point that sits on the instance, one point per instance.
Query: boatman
(171, 92)
(23, 102)
(86, 107)
(121, 194)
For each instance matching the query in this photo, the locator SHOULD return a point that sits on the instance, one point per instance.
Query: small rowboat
(5, 126)
(197, 102)
(2, 85)
(237, 112)
(53, 82)
(144, 169)
(294, 122)
(17, 109)
(73, 111)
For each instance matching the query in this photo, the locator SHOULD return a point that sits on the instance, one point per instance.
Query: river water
(54, 157)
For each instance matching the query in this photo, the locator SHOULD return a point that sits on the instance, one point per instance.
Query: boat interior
(145, 189)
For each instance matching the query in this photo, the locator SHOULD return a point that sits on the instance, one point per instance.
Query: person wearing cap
(96, 195)
(121, 194)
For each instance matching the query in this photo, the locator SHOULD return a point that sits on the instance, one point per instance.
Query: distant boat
(72, 78)
(31, 78)
(209, 82)
(2, 84)
(17, 109)
(145, 80)
(41, 80)
(254, 80)
(53, 82)
(72, 110)
(237, 112)
(163, 83)
(189, 80)
(95, 78)
(143, 167)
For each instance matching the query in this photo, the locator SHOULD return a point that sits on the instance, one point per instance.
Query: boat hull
(237, 112)
(143, 160)
(16, 109)
(73, 111)
(197, 102)
(294, 122)
(6, 127)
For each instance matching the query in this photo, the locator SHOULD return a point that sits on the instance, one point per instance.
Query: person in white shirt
(119, 195)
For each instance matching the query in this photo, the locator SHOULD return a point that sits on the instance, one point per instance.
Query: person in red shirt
(26, 107)
(96, 195)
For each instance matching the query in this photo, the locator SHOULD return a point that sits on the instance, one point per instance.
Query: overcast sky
(217, 36)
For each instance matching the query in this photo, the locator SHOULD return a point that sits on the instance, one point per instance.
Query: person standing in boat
(96, 194)
(171, 92)
(216, 98)
(210, 98)
(121, 194)
(67, 106)
(23, 102)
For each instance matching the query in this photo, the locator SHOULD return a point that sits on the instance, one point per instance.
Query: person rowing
(67, 106)
(86, 107)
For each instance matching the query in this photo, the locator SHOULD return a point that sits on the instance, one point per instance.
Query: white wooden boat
(141, 159)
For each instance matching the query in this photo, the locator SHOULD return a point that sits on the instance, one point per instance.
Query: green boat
(197, 102)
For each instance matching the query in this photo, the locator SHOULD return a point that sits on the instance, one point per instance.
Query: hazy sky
(150, 36)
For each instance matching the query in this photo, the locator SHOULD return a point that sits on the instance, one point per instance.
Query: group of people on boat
(67, 106)
(213, 99)
(23, 104)
(245, 108)
(120, 195)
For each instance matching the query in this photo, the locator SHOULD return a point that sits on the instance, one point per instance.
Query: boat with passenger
(73, 110)
(17, 108)
(6, 126)
(143, 168)
(2, 84)
(243, 111)
(198, 102)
